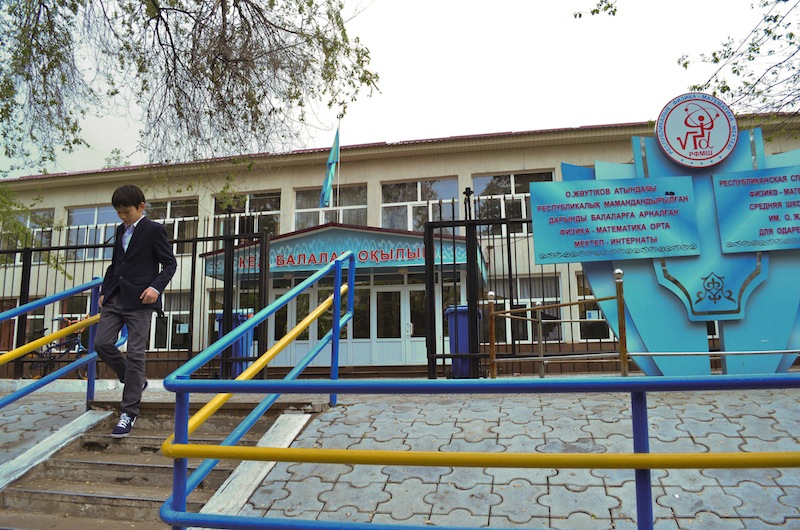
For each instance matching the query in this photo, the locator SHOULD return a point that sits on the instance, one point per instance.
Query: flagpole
(338, 167)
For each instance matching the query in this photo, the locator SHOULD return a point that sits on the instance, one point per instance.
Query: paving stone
(503, 475)
(701, 428)
(507, 429)
(581, 445)
(364, 499)
(788, 477)
(520, 501)
(345, 514)
(688, 480)
(339, 441)
(466, 477)
(406, 499)
(419, 429)
(758, 501)
(425, 474)
(371, 444)
(390, 519)
(583, 521)
(461, 445)
(425, 443)
(448, 498)
(520, 444)
(791, 499)
(615, 443)
(363, 475)
(383, 431)
(501, 521)
(566, 429)
(718, 443)
(681, 445)
(267, 493)
(697, 411)
(575, 478)
(754, 445)
(303, 498)
(689, 504)
(762, 428)
(711, 521)
(476, 430)
(627, 508)
(459, 518)
(733, 477)
(592, 500)
(523, 415)
(325, 472)
(604, 429)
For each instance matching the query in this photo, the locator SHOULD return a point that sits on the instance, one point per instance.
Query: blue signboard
(589, 220)
(758, 210)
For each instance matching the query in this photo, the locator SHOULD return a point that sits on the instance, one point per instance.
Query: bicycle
(43, 362)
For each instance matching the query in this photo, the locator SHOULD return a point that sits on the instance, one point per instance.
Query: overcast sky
(464, 67)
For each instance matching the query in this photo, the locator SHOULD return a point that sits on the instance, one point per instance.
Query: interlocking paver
(711, 521)
(448, 498)
(627, 508)
(364, 499)
(732, 477)
(520, 444)
(476, 430)
(363, 475)
(507, 475)
(459, 518)
(581, 445)
(267, 493)
(689, 503)
(566, 429)
(326, 472)
(303, 498)
(345, 514)
(519, 501)
(758, 501)
(425, 474)
(442, 430)
(466, 477)
(700, 428)
(592, 500)
(406, 499)
(687, 479)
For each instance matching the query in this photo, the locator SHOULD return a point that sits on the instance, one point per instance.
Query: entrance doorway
(400, 325)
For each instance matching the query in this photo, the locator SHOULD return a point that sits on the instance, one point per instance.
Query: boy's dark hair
(127, 195)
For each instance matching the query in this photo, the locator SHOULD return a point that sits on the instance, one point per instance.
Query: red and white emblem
(697, 130)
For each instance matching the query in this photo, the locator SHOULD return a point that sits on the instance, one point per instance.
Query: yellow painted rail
(47, 339)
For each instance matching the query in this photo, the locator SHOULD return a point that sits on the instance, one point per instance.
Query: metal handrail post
(539, 330)
(623, 342)
(91, 368)
(641, 444)
(492, 347)
(337, 306)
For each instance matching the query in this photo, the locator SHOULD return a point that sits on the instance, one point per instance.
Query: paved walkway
(766, 420)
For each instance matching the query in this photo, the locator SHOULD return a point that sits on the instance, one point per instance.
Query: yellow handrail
(475, 459)
(205, 412)
(47, 339)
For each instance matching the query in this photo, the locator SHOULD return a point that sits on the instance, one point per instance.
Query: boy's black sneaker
(124, 425)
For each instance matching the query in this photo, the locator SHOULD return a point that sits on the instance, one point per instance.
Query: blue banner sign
(601, 220)
(758, 210)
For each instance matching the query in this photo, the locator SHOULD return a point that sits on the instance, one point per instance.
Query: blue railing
(174, 509)
(88, 360)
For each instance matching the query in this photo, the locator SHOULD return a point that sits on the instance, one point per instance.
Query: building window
(180, 221)
(248, 214)
(409, 205)
(91, 226)
(592, 322)
(349, 207)
(506, 197)
(40, 225)
(530, 291)
(171, 332)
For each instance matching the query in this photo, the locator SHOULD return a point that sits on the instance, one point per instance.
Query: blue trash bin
(241, 348)
(458, 331)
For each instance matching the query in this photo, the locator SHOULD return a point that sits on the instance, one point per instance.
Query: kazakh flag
(327, 186)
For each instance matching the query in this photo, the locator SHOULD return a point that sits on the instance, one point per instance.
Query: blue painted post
(641, 444)
(337, 306)
(180, 467)
(91, 368)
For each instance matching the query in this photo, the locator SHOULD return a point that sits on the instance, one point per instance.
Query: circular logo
(697, 130)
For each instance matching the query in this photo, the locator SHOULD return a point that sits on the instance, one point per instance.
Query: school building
(383, 195)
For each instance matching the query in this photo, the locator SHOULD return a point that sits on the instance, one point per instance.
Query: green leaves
(204, 77)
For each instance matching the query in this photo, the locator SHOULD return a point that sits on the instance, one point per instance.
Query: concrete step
(109, 501)
(123, 479)
(136, 470)
(25, 520)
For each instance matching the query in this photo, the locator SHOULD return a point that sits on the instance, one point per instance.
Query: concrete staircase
(101, 482)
